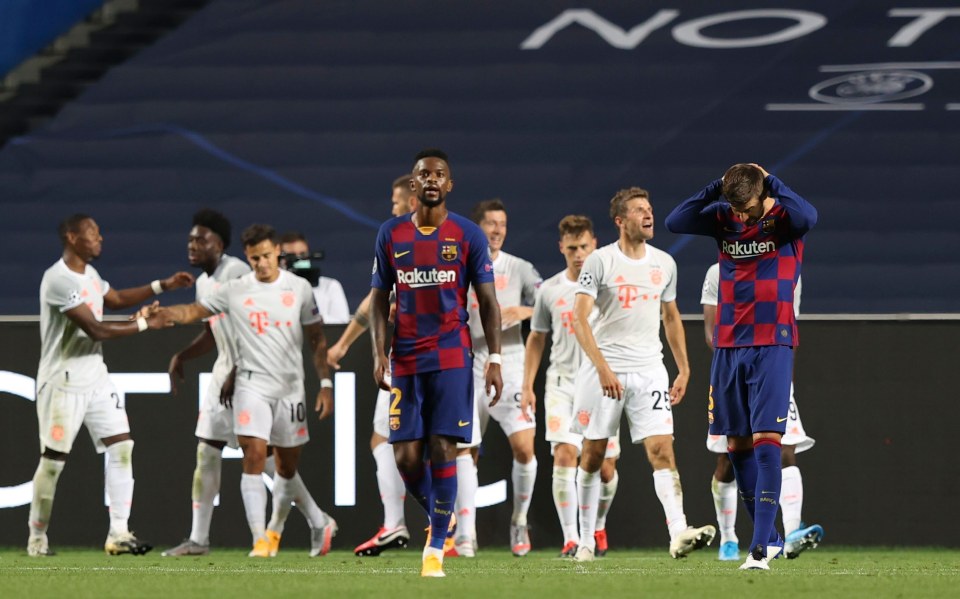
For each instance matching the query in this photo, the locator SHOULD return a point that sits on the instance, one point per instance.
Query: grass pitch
(825, 572)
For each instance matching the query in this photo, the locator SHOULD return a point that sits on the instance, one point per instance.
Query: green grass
(228, 573)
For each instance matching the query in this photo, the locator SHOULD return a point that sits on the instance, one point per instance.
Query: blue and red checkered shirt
(431, 271)
(759, 264)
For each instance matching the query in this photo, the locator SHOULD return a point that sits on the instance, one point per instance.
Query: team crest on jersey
(769, 225)
(656, 276)
(287, 298)
(448, 251)
(394, 423)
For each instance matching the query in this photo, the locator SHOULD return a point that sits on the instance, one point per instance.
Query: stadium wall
(26, 26)
(869, 391)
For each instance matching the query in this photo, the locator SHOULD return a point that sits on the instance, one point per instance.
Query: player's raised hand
(145, 311)
(160, 318)
(679, 388)
(611, 385)
(762, 170)
(177, 280)
(324, 407)
(335, 353)
(528, 401)
(381, 369)
(175, 372)
(492, 378)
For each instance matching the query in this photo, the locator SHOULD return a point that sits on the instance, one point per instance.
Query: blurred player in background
(553, 315)
(73, 386)
(328, 292)
(724, 486)
(431, 257)
(633, 284)
(759, 224)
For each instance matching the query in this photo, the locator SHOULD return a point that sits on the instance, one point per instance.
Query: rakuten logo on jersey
(426, 278)
(748, 250)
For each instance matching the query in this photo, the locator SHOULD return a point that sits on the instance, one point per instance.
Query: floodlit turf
(824, 572)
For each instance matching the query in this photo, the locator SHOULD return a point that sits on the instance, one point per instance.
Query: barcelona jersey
(759, 264)
(431, 270)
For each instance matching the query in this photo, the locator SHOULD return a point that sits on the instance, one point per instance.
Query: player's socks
(588, 493)
(745, 471)
(254, 496)
(44, 488)
(769, 480)
(119, 482)
(666, 482)
(608, 491)
(206, 485)
(283, 497)
(565, 500)
(418, 484)
(791, 499)
(270, 467)
(392, 491)
(523, 476)
(467, 484)
(443, 495)
(304, 501)
(725, 503)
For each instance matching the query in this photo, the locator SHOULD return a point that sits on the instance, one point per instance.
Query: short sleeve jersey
(68, 357)
(553, 313)
(711, 284)
(221, 326)
(268, 320)
(628, 293)
(432, 268)
(516, 282)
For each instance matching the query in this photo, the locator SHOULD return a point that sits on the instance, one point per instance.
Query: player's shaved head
(257, 233)
(214, 221)
(742, 183)
(71, 224)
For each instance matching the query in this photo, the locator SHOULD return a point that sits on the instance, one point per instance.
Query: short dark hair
(254, 234)
(214, 221)
(481, 209)
(402, 181)
(623, 196)
(741, 183)
(292, 237)
(431, 153)
(576, 225)
(71, 224)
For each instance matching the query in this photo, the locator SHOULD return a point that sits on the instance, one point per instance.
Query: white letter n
(612, 34)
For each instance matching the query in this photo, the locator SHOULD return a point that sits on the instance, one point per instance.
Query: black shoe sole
(397, 543)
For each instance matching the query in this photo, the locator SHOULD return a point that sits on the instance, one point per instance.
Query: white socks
(206, 485)
(254, 503)
(466, 504)
(392, 489)
(304, 501)
(524, 476)
(791, 499)
(588, 491)
(119, 483)
(44, 488)
(666, 482)
(607, 492)
(725, 502)
(565, 500)
(282, 502)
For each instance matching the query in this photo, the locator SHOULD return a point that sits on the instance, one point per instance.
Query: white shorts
(61, 412)
(646, 402)
(507, 411)
(558, 400)
(281, 422)
(381, 419)
(215, 421)
(795, 434)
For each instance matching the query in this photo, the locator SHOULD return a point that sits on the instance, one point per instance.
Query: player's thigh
(381, 418)
(769, 378)
(795, 434)
(214, 420)
(646, 398)
(595, 416)
(448, 404)
(60, 415)
(405, 407)
(252, 414)
(558, 405)
(106, 415)
(290, 422)
(728, 411)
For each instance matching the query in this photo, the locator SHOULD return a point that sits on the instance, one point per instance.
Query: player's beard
(431, 203)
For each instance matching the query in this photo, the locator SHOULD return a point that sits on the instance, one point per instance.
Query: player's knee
(724, 471)
(788, 456)
(660, 454)
(565, 455)
(608, 470)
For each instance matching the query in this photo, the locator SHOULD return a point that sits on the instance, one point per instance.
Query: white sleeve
(591, 275)
(531, 282)
(670, 291)
(63, 293)
(541, 320)
(309, 312)
(711, 284)
(219, 300)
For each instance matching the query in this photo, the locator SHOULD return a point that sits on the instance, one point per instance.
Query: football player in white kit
(516, 282)
(632, 284)
(553, 315)
(393, 531)
(73, 387)
(270, 310)
(799, 537)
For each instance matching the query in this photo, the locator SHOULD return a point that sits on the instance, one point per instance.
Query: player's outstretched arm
(695, 216)
(676, 339)
(202, 344)
(101, 331)
(124, 298)
(357, 325)
(490, 319)
(182, 313)
(536, 342)
(379, 313)
(324, 405)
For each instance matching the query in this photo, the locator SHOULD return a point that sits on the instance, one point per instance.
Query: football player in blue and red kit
(759, 224)
(432, 256)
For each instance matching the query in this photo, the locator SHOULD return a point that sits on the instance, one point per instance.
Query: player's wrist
(142, 324)
(495, 359)
(157, 286)
(326, 383)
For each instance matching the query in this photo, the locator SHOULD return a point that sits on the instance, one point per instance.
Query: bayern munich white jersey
(628, 293)
(553, 313)
(267, 319)
(711, 285)
(516, 282)
(68, 357)
(221, 326)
